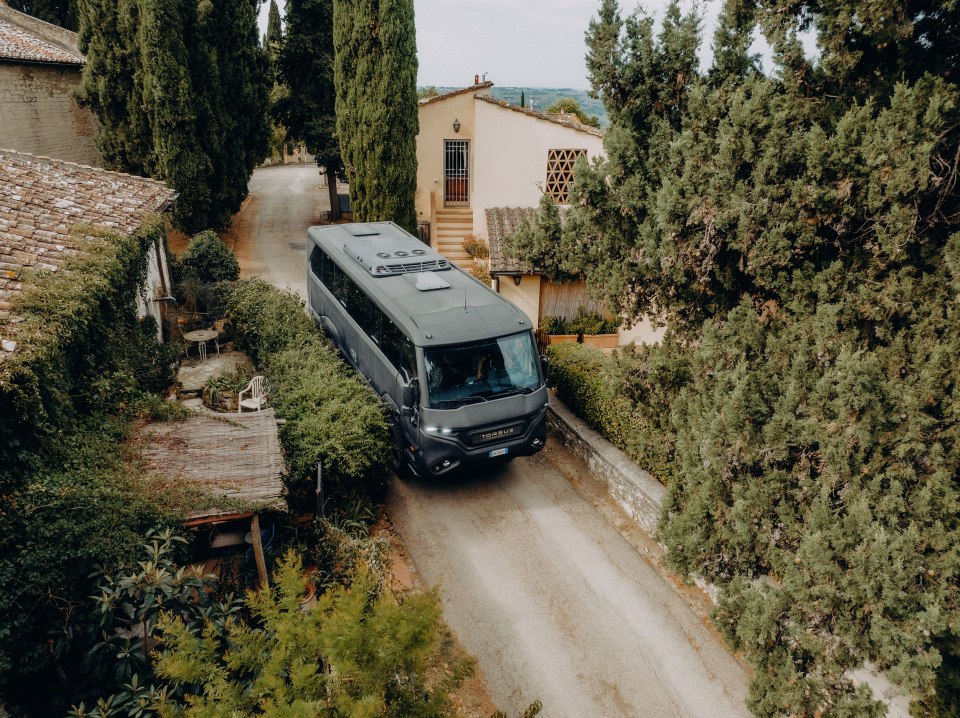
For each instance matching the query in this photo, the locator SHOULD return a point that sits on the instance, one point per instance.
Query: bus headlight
(438, 430)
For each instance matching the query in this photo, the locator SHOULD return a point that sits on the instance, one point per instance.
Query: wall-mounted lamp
(516, 279)
(456, 125)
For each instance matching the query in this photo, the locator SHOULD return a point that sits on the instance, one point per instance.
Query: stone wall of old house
(39, 115)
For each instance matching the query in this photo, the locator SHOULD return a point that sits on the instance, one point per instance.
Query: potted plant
(220, 391)
(599, 332)
(559, 330)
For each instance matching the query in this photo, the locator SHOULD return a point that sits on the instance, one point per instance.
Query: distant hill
(540, 98)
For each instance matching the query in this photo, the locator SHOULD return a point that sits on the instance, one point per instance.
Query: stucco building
(40, 67)
(483, 164)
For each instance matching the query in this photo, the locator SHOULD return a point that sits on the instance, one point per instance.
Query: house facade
(40, 67)
(477, 154)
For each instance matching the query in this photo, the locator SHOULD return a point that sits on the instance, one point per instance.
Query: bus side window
(339, 286)
(326, 272)
(408, 357)
(390, 342)
(316, 262)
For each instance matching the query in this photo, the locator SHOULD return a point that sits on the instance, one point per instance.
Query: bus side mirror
(545, 364)
(411, 393)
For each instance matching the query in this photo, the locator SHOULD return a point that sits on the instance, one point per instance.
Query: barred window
(560, 173)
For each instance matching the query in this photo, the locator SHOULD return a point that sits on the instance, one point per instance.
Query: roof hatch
(427, 281)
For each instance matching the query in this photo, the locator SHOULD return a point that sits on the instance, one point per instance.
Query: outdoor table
(201, 337)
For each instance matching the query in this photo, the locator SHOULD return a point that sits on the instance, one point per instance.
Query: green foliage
(81, 347)
(359, 652)
(375, 73)
(476, 247)
(207, 259)
(78, 510)
(180, 91)
(542, 243)
(569, 106)
(626, 396)
(427, 92)
(554, 325)
(132, 600)
(58, 12)
(306, 64)
(331, 416)
(800, 235)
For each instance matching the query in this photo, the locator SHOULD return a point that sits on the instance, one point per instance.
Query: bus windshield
(482, 371)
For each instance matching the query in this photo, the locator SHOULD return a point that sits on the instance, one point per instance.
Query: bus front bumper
(440, 455)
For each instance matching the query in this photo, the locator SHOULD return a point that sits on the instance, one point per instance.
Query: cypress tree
(274, 37)
(375, 74)
(307, 64)
(58, 12)
(180, 90)
(523, 99)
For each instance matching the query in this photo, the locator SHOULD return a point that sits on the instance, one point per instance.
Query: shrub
(625, 396)
(592, 323)
(208, 260)
(555, 325)
(476, 247)
(331, 416)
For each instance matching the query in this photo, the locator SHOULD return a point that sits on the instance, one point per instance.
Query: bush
(331, 416)
(208, 260)
(592, 324)
(555, 325)
(625, 396)
(476, 247)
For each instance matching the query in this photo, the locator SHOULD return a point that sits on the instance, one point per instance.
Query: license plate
(498, 452)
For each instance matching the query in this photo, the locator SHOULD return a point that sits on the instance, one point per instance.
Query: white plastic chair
(258, 395)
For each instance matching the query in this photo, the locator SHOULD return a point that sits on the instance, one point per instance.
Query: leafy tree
(424, 93)
(58, 12)
(375, 73)
(208, 259)
(180, 91)
(569, 106)
(307, 66)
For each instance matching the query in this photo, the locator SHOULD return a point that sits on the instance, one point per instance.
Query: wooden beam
(258, 551)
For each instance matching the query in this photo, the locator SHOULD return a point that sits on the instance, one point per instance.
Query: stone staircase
(452, 225)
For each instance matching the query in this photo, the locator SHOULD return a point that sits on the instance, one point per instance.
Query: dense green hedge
(331, 416)
(68, 502)
(625, 396)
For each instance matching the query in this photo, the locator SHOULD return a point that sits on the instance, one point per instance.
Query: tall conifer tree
(180, 90)
(306, 67)
(376, 83)
(799, 234)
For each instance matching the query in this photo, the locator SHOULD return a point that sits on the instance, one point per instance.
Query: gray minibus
(454, 362)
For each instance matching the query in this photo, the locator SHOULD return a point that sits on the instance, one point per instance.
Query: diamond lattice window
(560, 173)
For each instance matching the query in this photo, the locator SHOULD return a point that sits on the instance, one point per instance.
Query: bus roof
(463, 311)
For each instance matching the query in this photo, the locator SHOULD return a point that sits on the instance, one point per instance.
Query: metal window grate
(456, 172)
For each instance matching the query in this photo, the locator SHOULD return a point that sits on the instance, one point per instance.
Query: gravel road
(541, 578)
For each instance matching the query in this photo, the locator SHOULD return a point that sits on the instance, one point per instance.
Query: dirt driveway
(553, 589)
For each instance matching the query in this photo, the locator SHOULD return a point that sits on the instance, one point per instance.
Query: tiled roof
(560, 119)
(42, 199)
(502, 221)
(27, 39)
(462, 90)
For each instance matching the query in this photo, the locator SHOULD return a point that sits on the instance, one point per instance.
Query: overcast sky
(518, 43)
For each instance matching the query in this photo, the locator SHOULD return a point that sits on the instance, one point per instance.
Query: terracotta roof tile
(42, 199)
(27, 39)
(502, 221)
(452, 93)
(560, 119)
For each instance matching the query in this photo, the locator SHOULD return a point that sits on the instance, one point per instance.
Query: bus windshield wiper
(514, 392)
